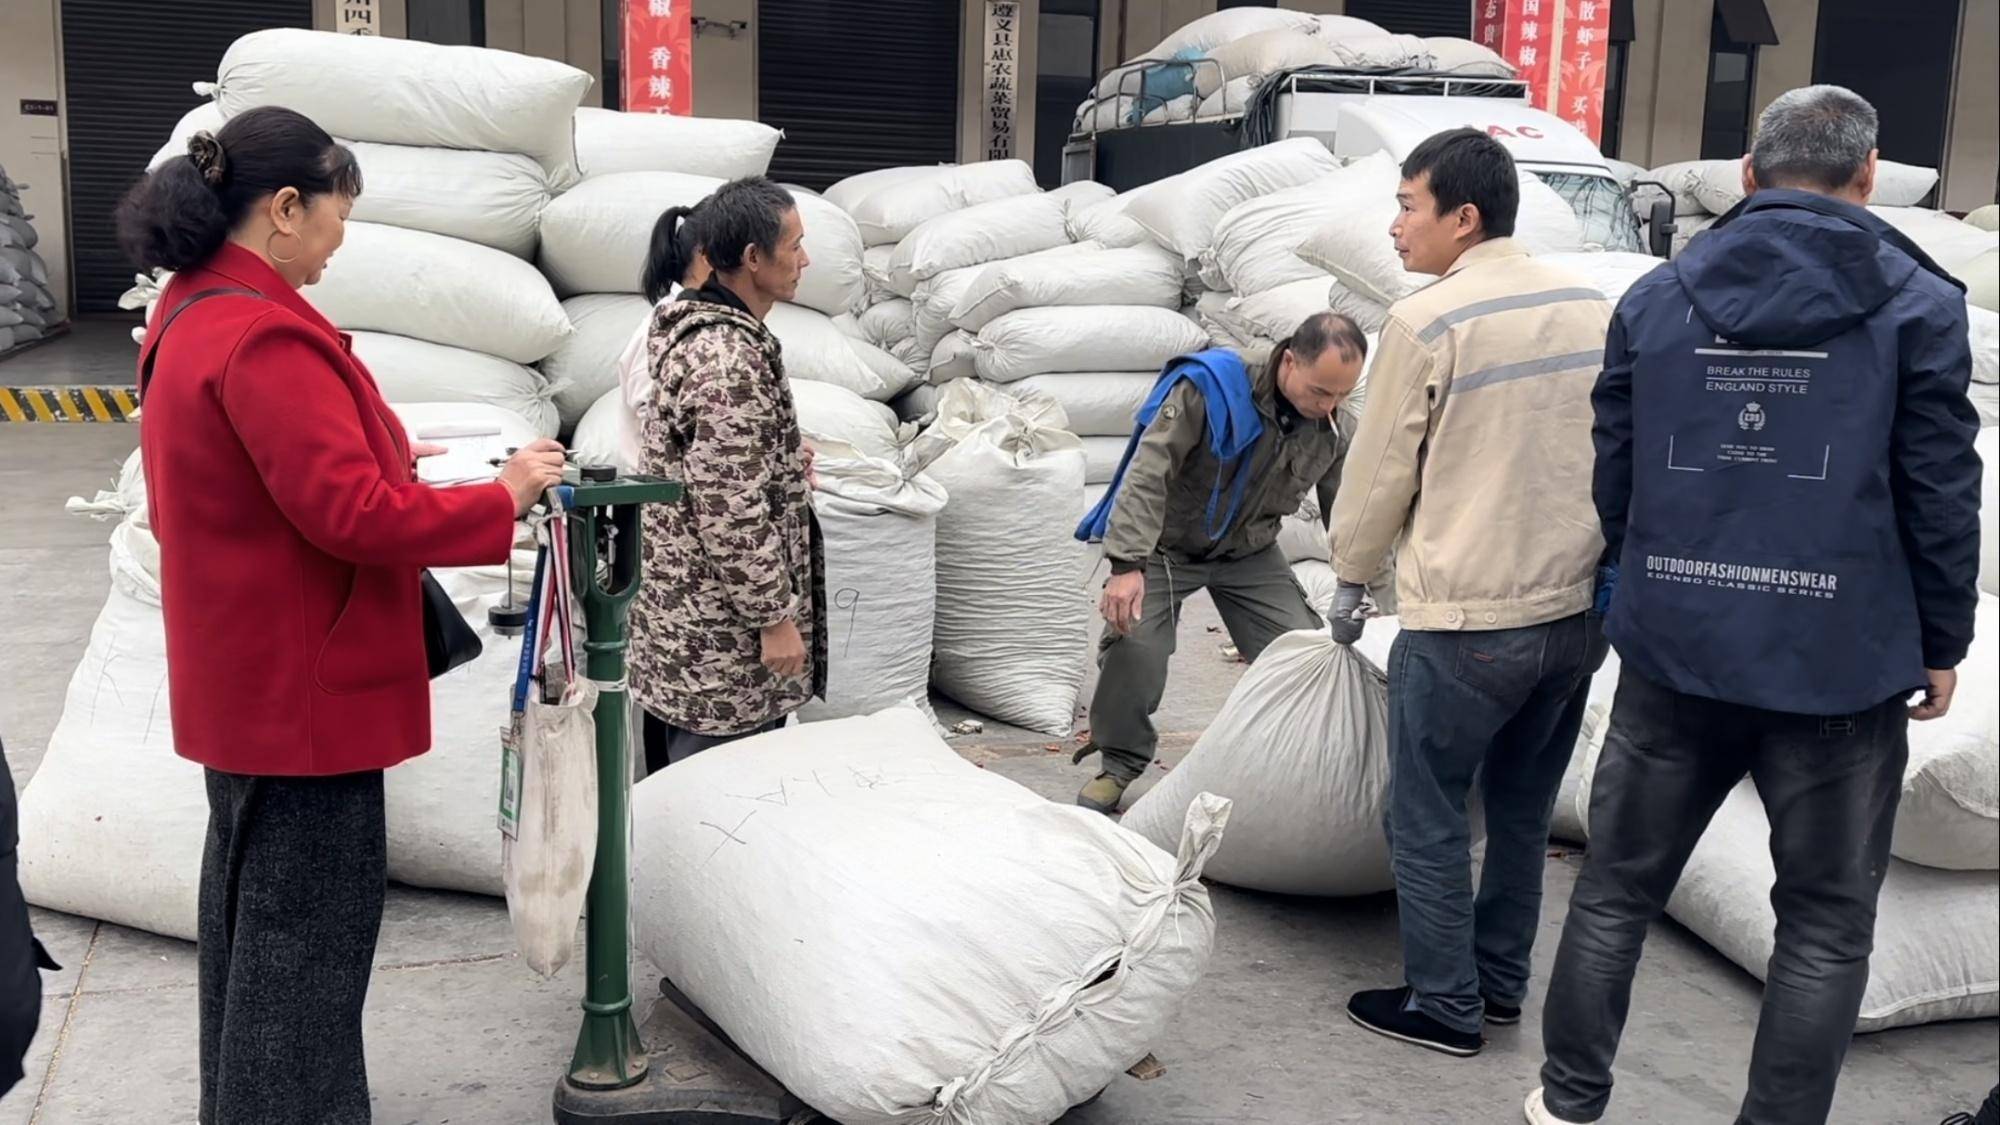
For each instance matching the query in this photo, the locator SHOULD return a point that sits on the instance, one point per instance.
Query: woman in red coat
(292, 536)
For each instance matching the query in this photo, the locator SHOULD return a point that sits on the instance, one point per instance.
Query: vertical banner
(1559, 47)
(659, 56)
(357, 17)
(1003, 38)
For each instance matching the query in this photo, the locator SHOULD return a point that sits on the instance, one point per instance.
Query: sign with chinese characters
(659, 56)
(357, 17)
(1003, 40)
(1561, 49)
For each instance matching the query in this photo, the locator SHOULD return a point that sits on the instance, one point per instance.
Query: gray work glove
(1349, 613)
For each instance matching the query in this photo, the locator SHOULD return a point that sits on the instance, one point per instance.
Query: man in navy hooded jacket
(1787, 486)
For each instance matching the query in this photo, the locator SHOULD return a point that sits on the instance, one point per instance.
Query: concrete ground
(460, 1032)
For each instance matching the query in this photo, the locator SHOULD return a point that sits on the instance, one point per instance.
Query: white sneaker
(1537, 1112)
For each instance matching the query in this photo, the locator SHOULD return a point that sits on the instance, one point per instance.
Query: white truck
(1355, 114)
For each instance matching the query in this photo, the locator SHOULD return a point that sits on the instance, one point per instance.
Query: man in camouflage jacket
(741, 552)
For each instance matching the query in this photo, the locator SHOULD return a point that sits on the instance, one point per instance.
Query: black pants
(1830, 787)
(292, 880)
(666, 744)
(21, 956)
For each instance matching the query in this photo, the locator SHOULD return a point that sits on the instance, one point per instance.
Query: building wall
(570, 31)
(31, 147)
(1972, 141)
(725, 68)
(1788, 65)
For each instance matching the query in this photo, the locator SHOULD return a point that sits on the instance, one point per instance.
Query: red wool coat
(292, 533)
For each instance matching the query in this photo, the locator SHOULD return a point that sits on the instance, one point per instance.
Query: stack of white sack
(113, 821)
(908, 937)
(27, 307)
(826, 414)
(1705, 190)
(435, 280)
(594, 244)
(1013, 612)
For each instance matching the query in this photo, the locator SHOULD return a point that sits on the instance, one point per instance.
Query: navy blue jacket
(1785, 473)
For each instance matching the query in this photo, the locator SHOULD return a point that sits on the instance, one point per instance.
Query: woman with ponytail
(292, 534)
(674, 262)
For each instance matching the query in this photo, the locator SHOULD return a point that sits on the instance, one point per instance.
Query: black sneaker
(1386, 1012)
(1501, 1015)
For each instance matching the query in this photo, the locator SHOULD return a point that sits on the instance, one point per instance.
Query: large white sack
(1612, 272)
(907, 939)
(1718, 184)
(814, 349)
(1081, 195)
(933, 302)
(1982, 327)
(1082, 338)
(444, 290)
(1988, 446)
(1982, 281)
(890, 214)
(954, 358)
(875, 275)
(1138, 275)
(409, 370)
(826, 412)
(1276, 314)
(832, 281)
(1985, 218)
(1462, 58)
(1201, 36)
(1682, 181)
(1013, 618)
(206, 116)
(408, 92)
(1936, 948)
(1370, 315)
(492, 198)
(879, 528)
(1950, 813)
(888, 323)
(1263, 53)
(1256, 241)
(1231, 100)
(608, 142)
(595, 236)
(1951, 243)
(1355, 247)
(1383, 52)
(1107, 224)
(1101, 455)
(1097, 405)
(986, 232)
(586, 366)
(861, 185)
(1181, 212)
(1301, 750)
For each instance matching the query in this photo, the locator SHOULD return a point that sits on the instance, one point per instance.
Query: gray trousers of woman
(292, 881)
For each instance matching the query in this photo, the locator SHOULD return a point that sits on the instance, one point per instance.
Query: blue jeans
(1500, 708)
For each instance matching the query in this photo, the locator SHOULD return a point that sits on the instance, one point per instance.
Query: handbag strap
(154, 336)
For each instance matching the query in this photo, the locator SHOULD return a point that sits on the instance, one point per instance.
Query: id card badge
(510, 786)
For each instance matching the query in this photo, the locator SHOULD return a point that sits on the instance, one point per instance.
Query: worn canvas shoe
(1387, 1012)
(1102, 794)
(1501, 1015)
(1537, 1112)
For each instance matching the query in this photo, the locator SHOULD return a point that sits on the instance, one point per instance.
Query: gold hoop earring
(274, 257)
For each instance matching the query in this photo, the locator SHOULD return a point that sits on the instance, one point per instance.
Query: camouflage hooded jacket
(742, 550)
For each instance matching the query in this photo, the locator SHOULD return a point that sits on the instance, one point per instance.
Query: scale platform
(694, 1076)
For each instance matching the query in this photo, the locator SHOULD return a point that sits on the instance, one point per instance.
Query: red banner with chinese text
(659, 56)
(1560, 48)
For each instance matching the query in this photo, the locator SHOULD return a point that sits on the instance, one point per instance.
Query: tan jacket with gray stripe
(1473, 457)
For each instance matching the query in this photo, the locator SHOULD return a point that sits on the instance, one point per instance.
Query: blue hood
(1838, 262)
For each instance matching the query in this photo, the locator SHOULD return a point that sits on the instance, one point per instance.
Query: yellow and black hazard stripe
(68, 404)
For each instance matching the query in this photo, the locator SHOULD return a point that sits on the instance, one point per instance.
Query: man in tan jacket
(1473, 463)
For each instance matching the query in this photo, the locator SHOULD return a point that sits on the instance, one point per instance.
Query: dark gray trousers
(665, 743)
(1830, 786)
(1259, 601)
(292, 881)
(21, 956)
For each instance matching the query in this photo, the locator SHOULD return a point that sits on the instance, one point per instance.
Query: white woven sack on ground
(407, 92)
(608, 142)
(1936, 948)
(1370, 315)
(1988, 446)
(953, 359)
(492, 198)
(814, 349)
(1950, 813)
(1181, 212)
(1256, 241)
(1276, 314)
(1982, 281)
(1951, 243)
(875, 275)
(1301, 750)
(894, 375)
(852, 190)
(893, 212)
(889, 323)
(587, 363)
(409, 370)
(1302, 539)
(1138, 275)
(1263, 53)
(1081, 195)
(1612, 272)
(1082, 338)
(976, 235)
(933, 302)
(1101, 455)
(907, 939)
(595, 236)
(1097, 405)
(1462, 58)
(1013, 618)
(879, 527)
(832, 282)
(445, 290)
(1107, 224)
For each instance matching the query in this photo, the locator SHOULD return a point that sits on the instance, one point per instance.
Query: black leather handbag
(448, 640)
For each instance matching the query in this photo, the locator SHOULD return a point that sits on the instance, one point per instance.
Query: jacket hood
(681, 317)
(1791, 268)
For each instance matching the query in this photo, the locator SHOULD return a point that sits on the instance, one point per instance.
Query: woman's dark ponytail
(671, 254)
(182, 211)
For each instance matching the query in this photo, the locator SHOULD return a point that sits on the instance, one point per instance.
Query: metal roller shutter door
(1416, 17)
(858, 84)
(127, 68)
